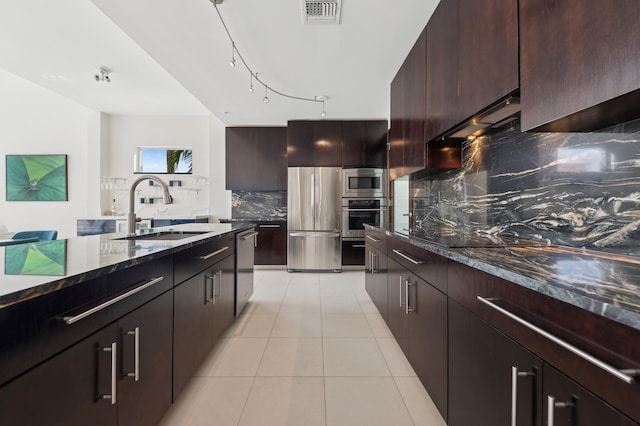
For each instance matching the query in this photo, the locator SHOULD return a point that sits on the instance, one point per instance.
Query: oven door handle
(364, 210)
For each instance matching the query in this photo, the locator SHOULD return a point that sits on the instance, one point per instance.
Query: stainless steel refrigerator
(313, 219)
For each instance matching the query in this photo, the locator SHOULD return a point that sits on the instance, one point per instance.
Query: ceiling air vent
(321, 12)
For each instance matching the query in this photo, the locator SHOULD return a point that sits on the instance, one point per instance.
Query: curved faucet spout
(131, 217)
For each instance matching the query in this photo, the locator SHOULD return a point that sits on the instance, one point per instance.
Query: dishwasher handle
(248, 235)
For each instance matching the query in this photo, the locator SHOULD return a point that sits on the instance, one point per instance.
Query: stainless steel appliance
(313, 219)
(364, 182)
(358, 211)
(245, 245)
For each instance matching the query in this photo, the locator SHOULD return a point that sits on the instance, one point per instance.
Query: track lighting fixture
(232, 62)
(104, 75)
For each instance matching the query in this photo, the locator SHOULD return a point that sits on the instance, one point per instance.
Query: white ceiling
(170, 57)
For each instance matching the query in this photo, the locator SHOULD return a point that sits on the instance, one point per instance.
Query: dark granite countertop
(606, 283)
(52, 265)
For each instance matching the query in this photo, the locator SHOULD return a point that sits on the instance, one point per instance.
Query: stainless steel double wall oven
(363, 201)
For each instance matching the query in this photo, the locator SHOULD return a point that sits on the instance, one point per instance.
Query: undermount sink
(164, 235)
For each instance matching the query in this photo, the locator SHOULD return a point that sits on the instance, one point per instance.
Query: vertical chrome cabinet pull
(136, 354)
(374, 262)
(208, 299)
(114, 359)
(407, 309)
(515, 374)
(552, 405)
(219, 273)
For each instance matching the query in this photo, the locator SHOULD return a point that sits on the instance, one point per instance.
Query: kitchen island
(106, 329)
(548, 324)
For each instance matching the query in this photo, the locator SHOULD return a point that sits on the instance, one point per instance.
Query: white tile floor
(309, 349)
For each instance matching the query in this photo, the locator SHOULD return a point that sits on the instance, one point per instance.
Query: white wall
(220, 198)
(36, 121)
(127, 133)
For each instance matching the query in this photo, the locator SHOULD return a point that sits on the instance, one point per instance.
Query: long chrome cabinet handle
(358, 245)
(375, 240)
(210, 255)
(552, 405)
(114, 361)
(269, 226)
(374, 262)
(620, 374)
(515, 374)
(71, 320)
(136, 353)
(410, 259)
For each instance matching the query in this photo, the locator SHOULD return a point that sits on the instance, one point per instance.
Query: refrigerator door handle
(313, 199)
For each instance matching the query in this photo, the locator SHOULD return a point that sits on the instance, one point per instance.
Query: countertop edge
(595, 306)
(56, 284)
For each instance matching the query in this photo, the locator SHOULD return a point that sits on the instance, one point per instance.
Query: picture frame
(36, 177)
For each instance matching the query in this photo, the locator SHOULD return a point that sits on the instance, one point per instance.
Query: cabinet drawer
(376, 239)
(197, 258)
(272, 243)
(429, 266)
(514, 309)
(353, 252)
(36, 329)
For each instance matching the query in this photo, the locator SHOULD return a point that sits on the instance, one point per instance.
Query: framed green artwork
(37, 178)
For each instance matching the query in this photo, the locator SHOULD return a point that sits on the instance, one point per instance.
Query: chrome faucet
(131, 217)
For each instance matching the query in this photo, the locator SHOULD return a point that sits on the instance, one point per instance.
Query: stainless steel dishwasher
(246, 242)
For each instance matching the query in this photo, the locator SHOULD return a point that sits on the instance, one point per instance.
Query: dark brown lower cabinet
(481, 369)
(397, 311)
(94, 381)
(143, 401)
(224, 296)
(271, 248)
(418, 321)
(375, 278)
(203, 309)
(568, 404)
(427, 351)
(353, 252)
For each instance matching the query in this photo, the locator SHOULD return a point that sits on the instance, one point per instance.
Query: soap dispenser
(114, 211)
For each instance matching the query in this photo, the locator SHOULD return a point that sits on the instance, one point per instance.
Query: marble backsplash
(259, 205)
(575, 189)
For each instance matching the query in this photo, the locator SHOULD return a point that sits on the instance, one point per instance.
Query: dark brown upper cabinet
(487, 53)
(579, 64)
(256, 158)
(408, 112)
(396, 132)
(472, 60)
(314, 143)
(442, 70)
(364, 143)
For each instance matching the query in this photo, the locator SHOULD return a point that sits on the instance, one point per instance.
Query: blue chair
(46, 235)
(15, 241)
